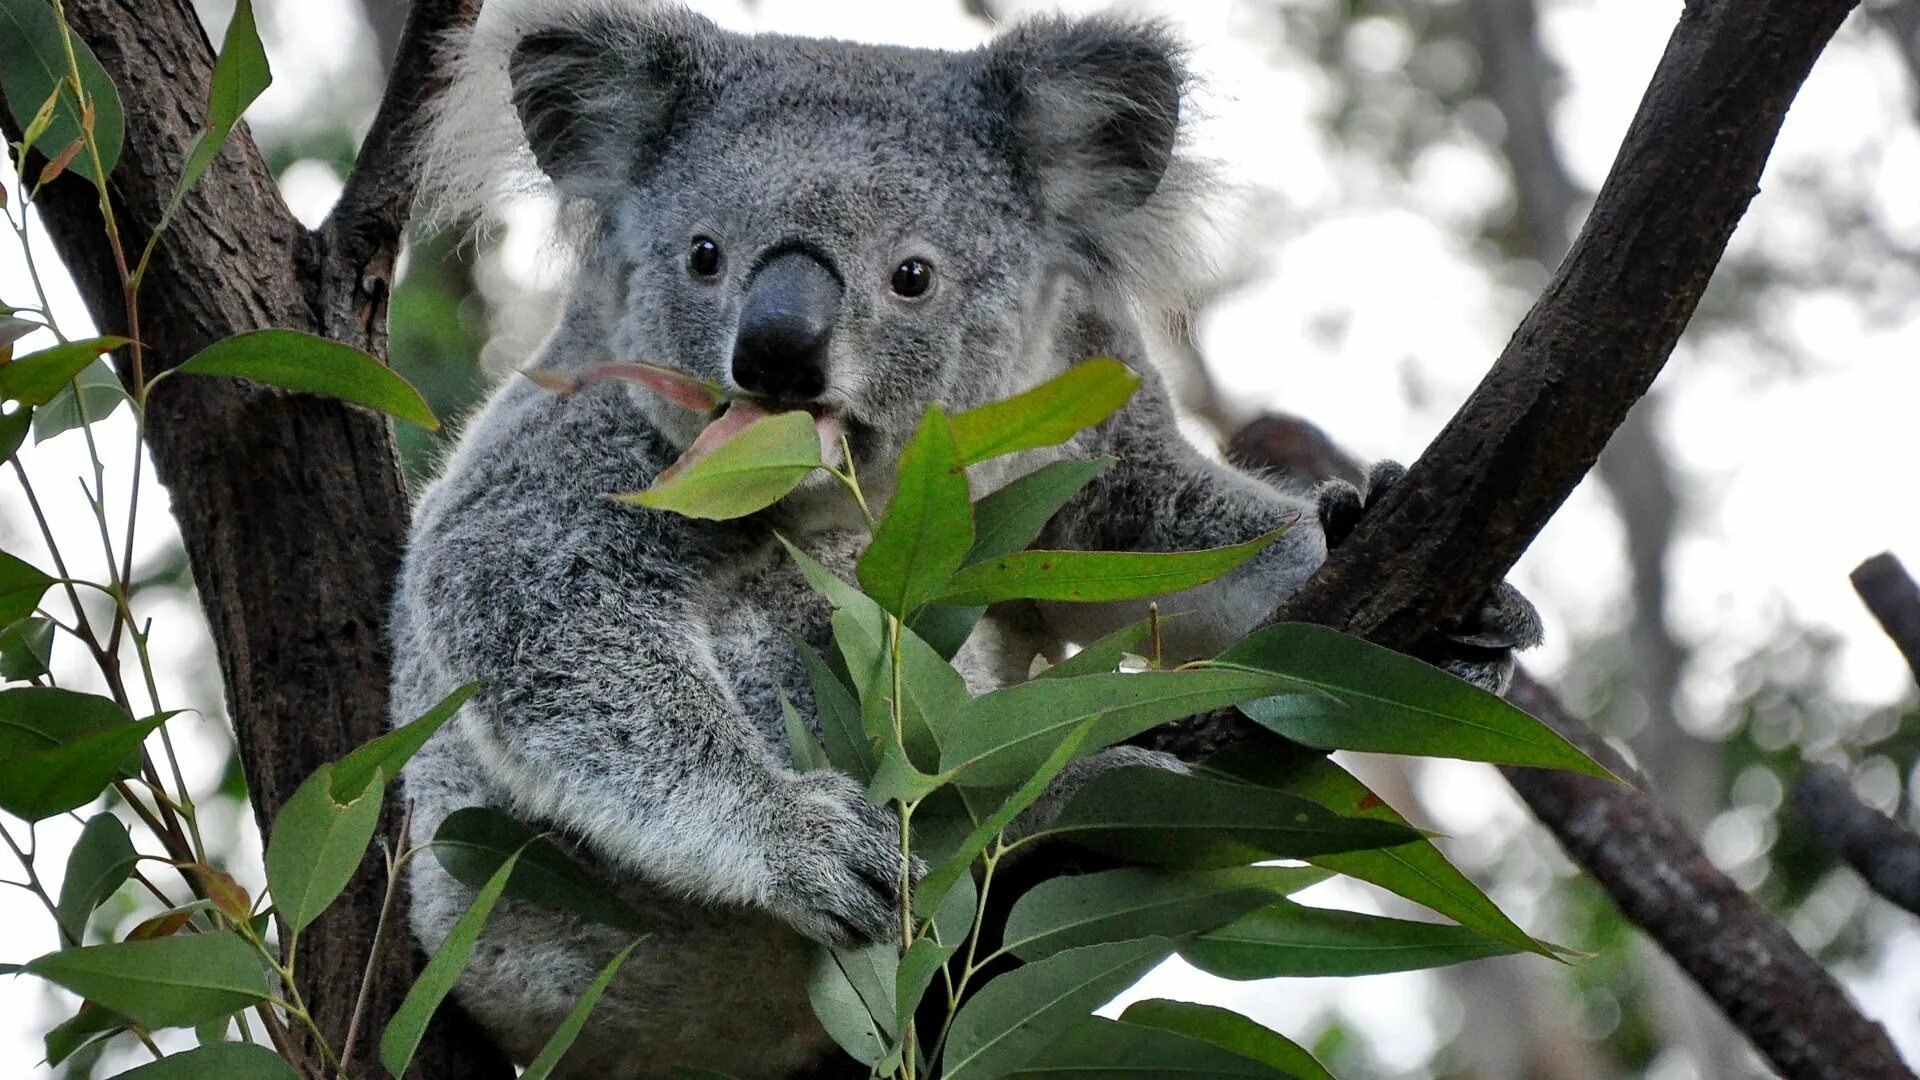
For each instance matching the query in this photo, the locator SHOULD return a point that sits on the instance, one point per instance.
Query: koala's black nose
(786, 322)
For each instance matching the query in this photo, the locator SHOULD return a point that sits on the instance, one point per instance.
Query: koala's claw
(1478, 647)
(837, 872)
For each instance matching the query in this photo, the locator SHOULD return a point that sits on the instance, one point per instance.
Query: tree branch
(291, 507)
(1890, 593)
(1592, 344)
(1883, 853)
(1765, 983)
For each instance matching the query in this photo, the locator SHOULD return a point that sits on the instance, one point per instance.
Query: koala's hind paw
(1477, 647)
(837, 869)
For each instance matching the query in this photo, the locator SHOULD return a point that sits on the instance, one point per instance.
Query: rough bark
(291, 507)
(1884, 854)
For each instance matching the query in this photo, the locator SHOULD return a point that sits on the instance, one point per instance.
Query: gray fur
(633, 658)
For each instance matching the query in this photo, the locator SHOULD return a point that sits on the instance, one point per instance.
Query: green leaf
(928, 525)
(841, 733)
(1094, 576)
(922, 961)
(33, 60)
(749, 472)
(317, 845)
(933, 888)
(1009, 519)
(1416, 871)
(93, 396)
(26, 648)
(386, 754)
(1391, 703)
(1048, 414)
(35, 379)
(845, 989)
(1164, 818)
(38, 784)
(1017, 1015)
(219, 1061)
(436, 981)
(13, 430)
(168, 982)
(474, 843)
(1285, 939)
(1102, 1049)
(102, 859)
(90, 1025)
(293, 360)
(1103, 656)
(240, 75)
(808, 755)
(1229, 1031)
(569, 1030)
(898, 781)
(21, 586)
(1119, 905)
(40, 717)
(1009, 731)
(945, 627)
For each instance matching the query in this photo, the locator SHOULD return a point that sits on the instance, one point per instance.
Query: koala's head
(850, 228)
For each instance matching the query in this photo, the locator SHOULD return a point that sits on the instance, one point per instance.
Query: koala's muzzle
(786, 322)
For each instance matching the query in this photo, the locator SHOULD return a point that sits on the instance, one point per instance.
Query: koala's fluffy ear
(596, 92)
(1094, 105)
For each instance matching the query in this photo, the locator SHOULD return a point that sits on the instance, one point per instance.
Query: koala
(852, 230)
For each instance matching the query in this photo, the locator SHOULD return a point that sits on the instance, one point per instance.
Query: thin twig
(1884, 854)
(1891, 594)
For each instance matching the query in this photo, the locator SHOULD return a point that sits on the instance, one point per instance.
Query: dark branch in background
(1885, 854)
(291, 507)
(1890, 593)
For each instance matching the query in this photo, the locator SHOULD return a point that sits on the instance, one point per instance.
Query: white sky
(1791, 478)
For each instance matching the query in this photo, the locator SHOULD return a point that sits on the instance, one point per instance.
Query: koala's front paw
(836, 864)
(1478, 646)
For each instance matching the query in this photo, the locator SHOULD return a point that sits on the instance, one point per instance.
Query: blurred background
(1400, 177)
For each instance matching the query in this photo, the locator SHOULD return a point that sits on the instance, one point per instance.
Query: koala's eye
(912, 278)
(703, 258)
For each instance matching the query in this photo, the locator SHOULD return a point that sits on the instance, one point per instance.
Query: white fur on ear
(1095, 109)
(553, 96)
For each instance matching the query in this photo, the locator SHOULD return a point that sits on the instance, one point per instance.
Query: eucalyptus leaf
(91, 1025)
(1094, 576)
(749, 472)
(1168, 819)
(928, 525)
(240, 75)
(101, 861)
(309, 364)
(168, 982)
(473, 843)
(1119, 905)
(26, 648)
(1047, 415)
(21, 586)
(1370, 698)
(386, 754)
(841, 734)
(409, 1024)
(93, 396)
(1416, 871)
(33, 61)
(807, 753)
(37, 784)
(842, 1010)
(36, 378)
(1228, 1030)
(563, 1036)
(14, 427)
(1016, 1016)
(218, 1061)
(1102, 1049)
(317, 844)
(1285, 939)
(1012, 517)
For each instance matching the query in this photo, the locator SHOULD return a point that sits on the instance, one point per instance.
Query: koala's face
(855, 230)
